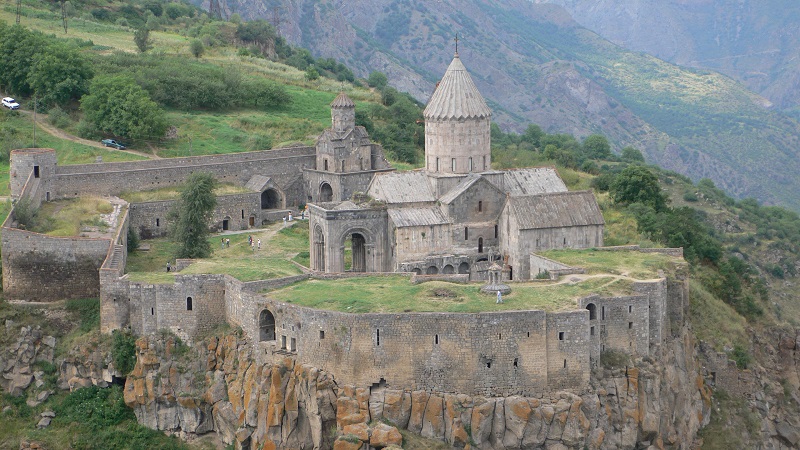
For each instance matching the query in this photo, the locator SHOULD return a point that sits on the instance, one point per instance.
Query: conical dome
(342, 101)
(457, 97)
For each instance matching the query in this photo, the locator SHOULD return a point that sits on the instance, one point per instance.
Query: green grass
(273, 260)
(173, 192)
(68, 217)
(396, 294)
(630, 263)
(713, 320)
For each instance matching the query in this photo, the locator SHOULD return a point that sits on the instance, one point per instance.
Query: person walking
(499, 297)
(169, 267)
(259, 244)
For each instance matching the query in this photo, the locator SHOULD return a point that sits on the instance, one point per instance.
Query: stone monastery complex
(451, 220)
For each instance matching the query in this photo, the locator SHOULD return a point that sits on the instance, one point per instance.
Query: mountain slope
(535, 64)
(755, 42)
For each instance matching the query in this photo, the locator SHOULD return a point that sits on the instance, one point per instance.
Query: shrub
(26, 213)
(690, 196)
(741, 356)
(614, 359)
(94, 407)
(259, 142)
(196, 48)
(58, 117)
(133, 240)
(123, 351)
(88, 311)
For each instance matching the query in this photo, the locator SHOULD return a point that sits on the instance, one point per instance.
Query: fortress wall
(150, 219)
(167, 306)
(38, 267)
(28, 163)
(116, 178)
(568, 353)
(115, 303)
(656, 291)
(621, 323)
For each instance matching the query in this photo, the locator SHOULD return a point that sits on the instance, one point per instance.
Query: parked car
(10, 103)
(113, 143)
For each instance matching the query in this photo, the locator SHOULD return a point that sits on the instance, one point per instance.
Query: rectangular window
(560, 335)
(325, 165)
(630, 309)
(591, 331)
(495, 231)
(378, 337)
(321, 334)
(565, 363)
(480, 206)
(484, 163)
(603, 313)
(630, 325)
(453, 164)
(437, 164)
(189, 303)
(436, 339)
(466, 233)
(158, 222)
(342, 166)
(35, 171)
(293, 346)
(470, 164)
(283, 342)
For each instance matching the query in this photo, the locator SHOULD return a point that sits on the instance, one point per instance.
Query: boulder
(384, 435)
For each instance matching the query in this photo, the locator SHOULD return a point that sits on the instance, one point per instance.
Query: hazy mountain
(535, 64)
(755, 42)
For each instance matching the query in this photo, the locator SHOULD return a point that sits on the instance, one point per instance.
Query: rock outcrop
(17, 360)
(217, 386)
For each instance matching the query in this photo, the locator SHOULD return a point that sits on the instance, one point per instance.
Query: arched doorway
(448, 269)
(432, 270)
(270, 199)
(463, 268)
(266, 326)
(592, 311)
(355, 253)
(417, 271)
(325, 193)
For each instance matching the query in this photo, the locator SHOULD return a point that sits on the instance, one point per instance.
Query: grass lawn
(397, 294)
(278, 246)
(68, 217)
(173, 192)
(641, 266)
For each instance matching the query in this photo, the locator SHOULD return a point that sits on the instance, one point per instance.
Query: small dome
(457, 97)
(342, 101)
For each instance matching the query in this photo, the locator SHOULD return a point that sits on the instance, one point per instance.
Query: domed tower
(343, 113)
(457, 125)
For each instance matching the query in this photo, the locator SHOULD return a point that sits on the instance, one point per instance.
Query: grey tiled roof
(457, 97)
(538, 180)
(402, 187)
(556, 210)
(411, 217)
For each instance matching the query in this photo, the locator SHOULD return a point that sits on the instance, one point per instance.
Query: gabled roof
(342, 101)
(462, 187)
(456, 96)
(402, 187)
(537, 180)
(413, 217)
(258, 183)
(556, 210)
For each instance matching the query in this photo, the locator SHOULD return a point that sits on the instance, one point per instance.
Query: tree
(636, 184)
(377, 80)
(533, 135)
(59, 74)
(596, 146)
(116, 105)
(142, 39)
(631, 154)
(311, 73)
(197, 48)
(192, 214)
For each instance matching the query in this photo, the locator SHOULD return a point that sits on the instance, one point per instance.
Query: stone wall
(344, 185)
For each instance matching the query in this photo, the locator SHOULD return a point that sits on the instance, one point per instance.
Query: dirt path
(41, 122)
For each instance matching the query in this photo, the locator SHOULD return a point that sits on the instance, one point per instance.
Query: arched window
(325, 193)
(592, 311)
(189, 303)
(266, 326)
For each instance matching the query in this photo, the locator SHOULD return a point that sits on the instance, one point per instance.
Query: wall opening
(378, 337)
(463, 268)
(560, 335)
(270, 199)
(342, 166)
(266, 326)
(630, 325)
(35, 171)
(495, 231)
(592, 311)
(488, 364)
(158, 222)
(152, 311)
(437, 164)
(603, 313)
(432, 270)
(510, 273)
(448, 269)
(325, 165)
(225, 225)
(242, 214)
(466, 233)
(293, 345)
(453, 164)
(417, 271)
(484, 163)
(480, 205)
(252, 221)
(325, 193)
(47, 196)
(630, 309)
(470, 163)
(591, 331)
(480, 245)
(283, 342)
(321, 334)
(189, 303)
(355, 253)
(436, 339)
(565, 363)
(516, 362)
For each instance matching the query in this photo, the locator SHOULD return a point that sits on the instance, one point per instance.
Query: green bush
(123, 351)
(614, 359)
(741, 356)
(133, 240)
(26, 213)
(58, 117)
(259, 142)
(94, 407)
(88, 311)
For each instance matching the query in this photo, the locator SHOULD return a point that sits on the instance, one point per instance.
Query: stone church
(456, 215)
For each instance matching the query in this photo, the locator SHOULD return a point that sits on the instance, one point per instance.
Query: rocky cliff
(217, 386)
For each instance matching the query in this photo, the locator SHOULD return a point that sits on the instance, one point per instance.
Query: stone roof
(412, 217)
(258, 183)
(462, 187)
(456, 96)
(537, 180)
(345, 206)
(556, 210)
(342, 101)
(402, 187)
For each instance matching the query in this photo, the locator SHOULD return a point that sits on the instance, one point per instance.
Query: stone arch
(417, 271)
(271, 199)
(318, 247)
(432, 270)
(266, 326)
(360, 240)
(463, 268)
(325, 192)
(448, 269)
(592, 311)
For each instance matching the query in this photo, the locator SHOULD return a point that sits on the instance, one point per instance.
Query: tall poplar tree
(192, 214)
